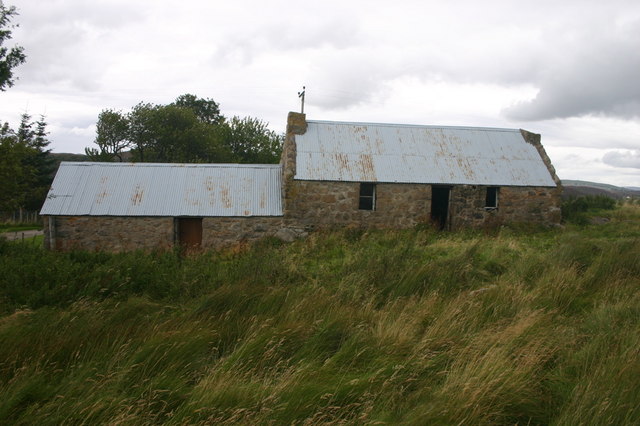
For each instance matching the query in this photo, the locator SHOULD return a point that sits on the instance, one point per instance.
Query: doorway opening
(189, 232)
(440, 206)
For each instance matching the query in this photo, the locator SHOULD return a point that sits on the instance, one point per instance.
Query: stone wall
(326, 204)
(117, 234)
(311, 205)
(220, 232)
(536, 205)
(315, 204)
(108, 233)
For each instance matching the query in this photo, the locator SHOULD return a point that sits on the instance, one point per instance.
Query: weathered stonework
(535, 140)
(117, 234)
(104, 233)
(326, 204)
(220, 232)
(296, 125)
(535, 205)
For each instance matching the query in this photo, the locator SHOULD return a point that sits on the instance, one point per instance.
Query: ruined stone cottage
(332, 174)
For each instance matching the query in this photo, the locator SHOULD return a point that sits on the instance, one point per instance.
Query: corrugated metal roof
(147, 189)
(367, 152)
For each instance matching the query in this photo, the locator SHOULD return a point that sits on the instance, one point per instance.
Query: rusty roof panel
(147, 189)
(367, 152)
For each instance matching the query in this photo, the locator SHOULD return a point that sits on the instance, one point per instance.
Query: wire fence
(19, 216)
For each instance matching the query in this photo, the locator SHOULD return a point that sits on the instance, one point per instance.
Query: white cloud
(589, 132)
(629, 159)
(587, 164)
(565, 69)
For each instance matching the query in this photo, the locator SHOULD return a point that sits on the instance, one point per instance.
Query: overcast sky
(568, 69)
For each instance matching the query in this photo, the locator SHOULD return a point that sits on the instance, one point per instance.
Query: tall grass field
(515, 326)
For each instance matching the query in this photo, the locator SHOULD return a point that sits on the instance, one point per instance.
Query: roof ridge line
(140, 164)
(358, 123)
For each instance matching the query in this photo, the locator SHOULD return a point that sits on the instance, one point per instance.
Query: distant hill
(581, 188)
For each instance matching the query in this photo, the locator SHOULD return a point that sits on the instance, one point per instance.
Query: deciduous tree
(112, 137)
(207, 110)
(9, 57)
(251, 141)
(189, 130)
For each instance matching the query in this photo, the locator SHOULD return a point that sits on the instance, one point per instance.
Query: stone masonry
(108, 233)
(118, 234)
(220, 232)
(328, 204)
(515, 205)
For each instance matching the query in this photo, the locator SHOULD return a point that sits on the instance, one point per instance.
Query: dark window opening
(367, 196)
(492, 198)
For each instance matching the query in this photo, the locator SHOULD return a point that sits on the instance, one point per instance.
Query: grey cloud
(81, 121)
(338, 33)
(588, 77)
(345, 78)
(343, 91)
(58, 43)
(287, 37)
(583, 63)
(629, 159)
(111, 14)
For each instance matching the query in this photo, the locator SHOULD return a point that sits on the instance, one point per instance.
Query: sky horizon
(568, 71)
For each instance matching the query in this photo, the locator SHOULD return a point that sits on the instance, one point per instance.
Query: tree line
(188, 130)
(26, 165)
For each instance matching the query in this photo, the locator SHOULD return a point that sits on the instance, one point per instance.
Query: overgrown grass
(35, 241)
(9, 227)
(354, 327)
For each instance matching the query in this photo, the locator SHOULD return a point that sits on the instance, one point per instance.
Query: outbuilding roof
(368, 152)
(148, 189)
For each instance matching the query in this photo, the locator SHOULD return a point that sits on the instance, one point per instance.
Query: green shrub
(574, 209)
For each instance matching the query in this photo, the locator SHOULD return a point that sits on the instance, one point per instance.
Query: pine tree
(26, 165)
(42, 163)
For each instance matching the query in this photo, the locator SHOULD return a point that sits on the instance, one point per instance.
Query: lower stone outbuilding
(126, 206)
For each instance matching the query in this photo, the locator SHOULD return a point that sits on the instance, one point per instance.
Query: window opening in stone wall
(492, 197)
(367, 196)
